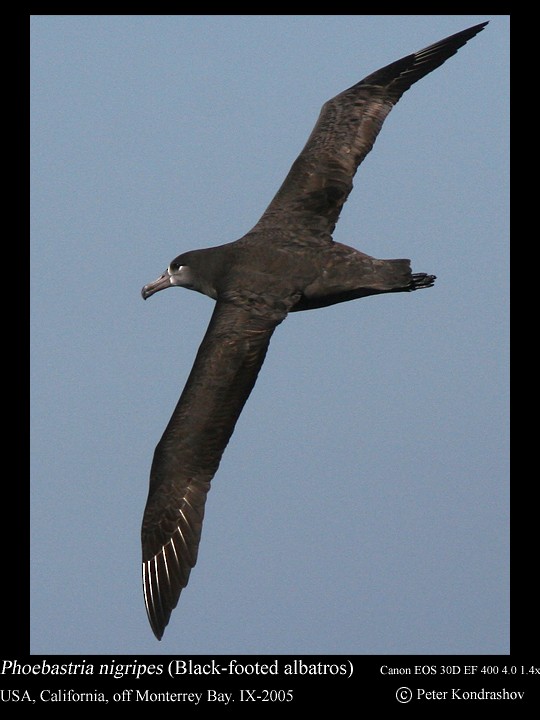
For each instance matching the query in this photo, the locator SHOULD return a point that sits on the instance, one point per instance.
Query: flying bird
(287, 262)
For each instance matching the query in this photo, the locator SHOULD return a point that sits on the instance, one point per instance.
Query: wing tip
(158, 615)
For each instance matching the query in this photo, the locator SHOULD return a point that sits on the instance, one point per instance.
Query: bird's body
(288, 262)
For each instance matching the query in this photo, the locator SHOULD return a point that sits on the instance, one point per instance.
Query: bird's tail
(422, 280)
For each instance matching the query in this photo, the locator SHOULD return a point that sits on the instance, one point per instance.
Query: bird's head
(178, 273)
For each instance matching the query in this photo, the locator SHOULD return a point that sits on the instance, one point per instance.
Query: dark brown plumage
(286, 263)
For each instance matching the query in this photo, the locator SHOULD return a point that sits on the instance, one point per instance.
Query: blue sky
(361, 506)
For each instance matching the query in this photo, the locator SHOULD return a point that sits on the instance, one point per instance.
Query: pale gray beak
(163, 281)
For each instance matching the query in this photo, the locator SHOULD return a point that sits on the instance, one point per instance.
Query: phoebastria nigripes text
(287, 262)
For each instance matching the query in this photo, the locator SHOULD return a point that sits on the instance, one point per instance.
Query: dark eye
(173, 267)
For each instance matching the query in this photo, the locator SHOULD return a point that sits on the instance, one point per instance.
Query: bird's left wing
(188, 454)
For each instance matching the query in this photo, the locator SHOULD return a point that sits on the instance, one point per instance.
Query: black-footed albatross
(287, 262)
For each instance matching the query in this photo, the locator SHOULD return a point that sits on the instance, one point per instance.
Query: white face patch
(184, 277)
(180, 276)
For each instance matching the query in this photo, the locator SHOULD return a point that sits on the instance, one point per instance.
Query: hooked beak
(163, 281)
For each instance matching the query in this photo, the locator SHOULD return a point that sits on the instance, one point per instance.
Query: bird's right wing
(320, 180)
